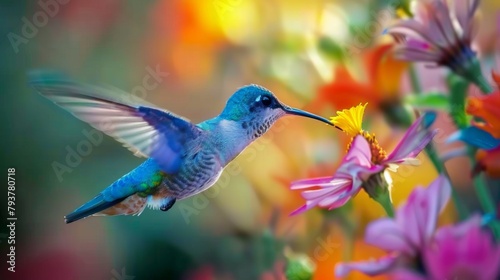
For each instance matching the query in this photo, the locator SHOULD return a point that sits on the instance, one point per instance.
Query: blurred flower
(381, 87)
(488, 162)
(181, 31)
(484, 132)
(462, 251)
(486, 109)
(488, 155)
(364, 165)
(442, 36)
(405, 236)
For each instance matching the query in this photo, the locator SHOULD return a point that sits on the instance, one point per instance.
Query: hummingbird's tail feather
(131, 205)
(95, 205)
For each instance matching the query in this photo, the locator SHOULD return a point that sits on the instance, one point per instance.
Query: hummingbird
(183, 158)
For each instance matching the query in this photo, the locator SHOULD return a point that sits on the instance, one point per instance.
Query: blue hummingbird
(183, 158)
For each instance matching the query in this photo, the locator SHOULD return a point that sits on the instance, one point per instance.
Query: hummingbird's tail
(130, 205)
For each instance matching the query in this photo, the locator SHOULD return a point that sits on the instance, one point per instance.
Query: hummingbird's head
(256, 108)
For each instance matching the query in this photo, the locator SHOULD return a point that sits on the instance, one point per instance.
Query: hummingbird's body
(183, 158)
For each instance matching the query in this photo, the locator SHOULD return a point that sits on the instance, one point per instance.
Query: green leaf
(331, 48)
(430, 100)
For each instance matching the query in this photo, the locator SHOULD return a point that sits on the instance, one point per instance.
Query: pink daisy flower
(405, 236)
(441, 33)
(365, 163)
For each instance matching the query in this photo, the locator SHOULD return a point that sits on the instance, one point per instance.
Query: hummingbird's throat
(378, 153)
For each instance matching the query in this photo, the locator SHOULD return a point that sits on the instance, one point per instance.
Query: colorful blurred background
(318, 55)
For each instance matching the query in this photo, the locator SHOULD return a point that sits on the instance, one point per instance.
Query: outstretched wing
(146, 131)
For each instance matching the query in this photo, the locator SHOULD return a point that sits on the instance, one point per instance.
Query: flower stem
(384, 199)
(484, 197)
(414, 80)
(431, 152)
(348, 247)
(473, 73)
(483, 84)
(457, 201)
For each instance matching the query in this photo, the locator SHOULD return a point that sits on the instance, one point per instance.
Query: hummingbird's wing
(146, 131)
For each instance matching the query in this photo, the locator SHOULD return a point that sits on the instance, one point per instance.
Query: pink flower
(442, 35)
(405, 236)
(364, 165)
(463, 251)
(432, 35)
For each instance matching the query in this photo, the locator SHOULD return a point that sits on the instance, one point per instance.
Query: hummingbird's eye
(266, 101)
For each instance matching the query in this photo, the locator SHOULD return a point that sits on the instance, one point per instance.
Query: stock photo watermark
(366, 34)
(11, 219)
(31, 26)
(122, 275)
(324, 249)
(94, 137)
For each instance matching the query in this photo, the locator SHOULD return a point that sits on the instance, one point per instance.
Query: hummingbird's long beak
(297, 112)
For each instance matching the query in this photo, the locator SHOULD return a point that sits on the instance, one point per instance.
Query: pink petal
(419, 49)
(441, 22)
(412, 143)
(307, 183)
(418, 217)
(433, 24)
(464, 249)
(360, 152)
(335, 193)
(371, 268)
(433, 16)
(341, 202)
(357, 163)
(412, 29)
(408, 54)
(417, 44)
(299, 210)
(464, 11)
(386, 234)
(336, 186)
(438, 193)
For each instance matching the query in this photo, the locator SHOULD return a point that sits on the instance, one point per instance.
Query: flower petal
(332, 195)
(371, 268)
(464, 248)
(489, 162)
(418, 217)
(386, 234)
(486, 108)
(333, 192)
(336, 186)
(446, 37)
(360, 152)
(307, 183)
(357, 163)
(350, 120)
(464, 11)
(413, 142)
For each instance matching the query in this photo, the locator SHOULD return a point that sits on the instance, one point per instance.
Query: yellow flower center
(350, 121)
